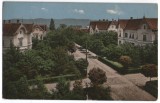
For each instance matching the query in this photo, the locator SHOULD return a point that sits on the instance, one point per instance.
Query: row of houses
(21, 34)
(140, 31)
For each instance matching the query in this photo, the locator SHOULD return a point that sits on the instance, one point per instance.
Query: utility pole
(86, 51)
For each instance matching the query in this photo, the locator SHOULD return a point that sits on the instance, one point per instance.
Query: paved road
(121, 88)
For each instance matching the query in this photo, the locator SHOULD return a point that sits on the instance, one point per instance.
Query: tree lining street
(121, 88)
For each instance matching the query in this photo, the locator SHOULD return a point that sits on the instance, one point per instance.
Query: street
(121, 87)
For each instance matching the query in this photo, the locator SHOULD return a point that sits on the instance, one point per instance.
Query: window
(20, 41)
(126, 35)
(144, 26)
(144, 38)
(20, 31)
(120, 35)
(11, 42)
(41, 37)
(132, 36)
(119, 42)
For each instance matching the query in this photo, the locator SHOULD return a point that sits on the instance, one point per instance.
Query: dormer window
(20, 31)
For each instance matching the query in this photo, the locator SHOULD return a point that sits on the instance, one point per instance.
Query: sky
(55, 10)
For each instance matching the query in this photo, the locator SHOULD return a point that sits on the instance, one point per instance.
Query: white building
(102, 26)
(18, 35)
(98, 26)
(137, 31)
(113, 26)
(39, 31)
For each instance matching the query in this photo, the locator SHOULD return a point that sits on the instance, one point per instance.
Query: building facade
(39, 31)
(102, 26)
(20, 34)
(137, 31)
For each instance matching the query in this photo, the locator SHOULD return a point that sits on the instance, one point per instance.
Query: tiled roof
(133, 24)
(28, 27)
(43, 27)
(101, 25)
(122, 23)
(114, 22)
(153, 23)
(10, 29)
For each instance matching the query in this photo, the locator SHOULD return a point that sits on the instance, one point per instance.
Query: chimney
(4, 21)
(131, 17)
(17, 21)
(9, 21)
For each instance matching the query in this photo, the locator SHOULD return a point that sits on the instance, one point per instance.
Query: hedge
(152, 87)
(119, 67)
(54, 79)
(115, 65)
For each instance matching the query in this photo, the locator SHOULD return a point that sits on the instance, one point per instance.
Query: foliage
(82, 65)
(52, 25)
(150, 70)
(62, 26)
(18, 90)
(62, 89)
(125, 60)
(96, 46)
(71, 47)
(78, 91)
(97, 76)
(53, 79)
(99, 93)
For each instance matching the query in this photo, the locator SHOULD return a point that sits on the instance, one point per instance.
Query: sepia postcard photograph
(79, 51)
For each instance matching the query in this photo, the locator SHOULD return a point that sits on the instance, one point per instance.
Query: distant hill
(68, 22)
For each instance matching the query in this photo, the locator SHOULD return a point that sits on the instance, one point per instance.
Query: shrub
(150, 70)
(125, 60)
(97, 76)
(99, 93)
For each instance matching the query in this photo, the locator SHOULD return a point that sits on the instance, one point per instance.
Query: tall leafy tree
(97, 76)
(52, 25)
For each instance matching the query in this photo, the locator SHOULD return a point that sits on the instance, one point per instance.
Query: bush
(150, 70)
(125, 60)
(152, 87)
(97, 76)
(99, 93)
